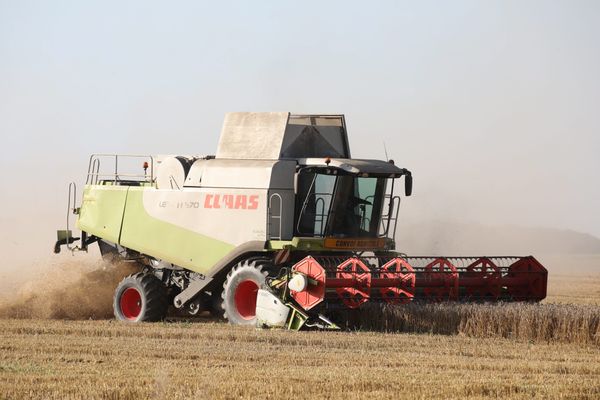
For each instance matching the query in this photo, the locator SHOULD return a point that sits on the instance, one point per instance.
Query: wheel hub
(131, 303)
(245, 299)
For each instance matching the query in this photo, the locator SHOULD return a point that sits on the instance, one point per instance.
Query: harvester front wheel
(240, 291)
(140, 297)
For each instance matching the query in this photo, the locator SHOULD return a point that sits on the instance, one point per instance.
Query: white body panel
(233, 216)
(229, 182)
(233, 173)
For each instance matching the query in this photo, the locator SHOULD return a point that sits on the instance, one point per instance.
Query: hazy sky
(494, 106)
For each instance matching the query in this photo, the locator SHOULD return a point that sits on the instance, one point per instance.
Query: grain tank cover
(281, 135)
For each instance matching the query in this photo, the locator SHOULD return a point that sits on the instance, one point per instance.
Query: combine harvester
(280, 228)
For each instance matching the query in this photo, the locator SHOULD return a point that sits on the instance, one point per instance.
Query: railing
(94, 174)
(320, 215)
(389, 218)
(71, 209)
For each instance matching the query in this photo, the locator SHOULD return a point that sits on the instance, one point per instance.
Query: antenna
(385, 150)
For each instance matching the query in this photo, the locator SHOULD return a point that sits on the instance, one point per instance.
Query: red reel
(441, 280)
(535, 276)
(487, 277)
(359, 282)
(398, 269)
(315, 292)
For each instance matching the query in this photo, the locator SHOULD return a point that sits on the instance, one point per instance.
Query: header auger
(280, 228)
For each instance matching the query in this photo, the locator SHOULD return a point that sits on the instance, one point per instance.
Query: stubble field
(465, 352)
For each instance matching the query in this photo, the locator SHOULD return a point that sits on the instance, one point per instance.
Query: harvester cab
(281, 227)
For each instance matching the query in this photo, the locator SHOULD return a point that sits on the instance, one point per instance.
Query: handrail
(320, 217)
(94, 175)
(391, 217)
(278, 216)
(71, 196)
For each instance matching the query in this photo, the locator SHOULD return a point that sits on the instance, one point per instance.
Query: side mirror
(408, 184)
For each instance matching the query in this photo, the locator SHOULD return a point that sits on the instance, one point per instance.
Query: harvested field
(566, 323)
(105, 359)
(573, 279)
(574, 288)
(473, 351)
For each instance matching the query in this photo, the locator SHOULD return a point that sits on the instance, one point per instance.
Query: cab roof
(354, 166)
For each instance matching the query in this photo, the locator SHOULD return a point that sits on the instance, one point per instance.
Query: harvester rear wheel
(140, 297)
(240, 290)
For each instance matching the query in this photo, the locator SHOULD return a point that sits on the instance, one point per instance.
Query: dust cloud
(65, 290)
(451, 237)
(35, 283)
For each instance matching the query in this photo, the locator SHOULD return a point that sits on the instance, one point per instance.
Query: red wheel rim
(131, 303)
(245, 299)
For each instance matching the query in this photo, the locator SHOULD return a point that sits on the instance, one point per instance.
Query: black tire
(215, 305)
(240, 290)
(140, 297)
